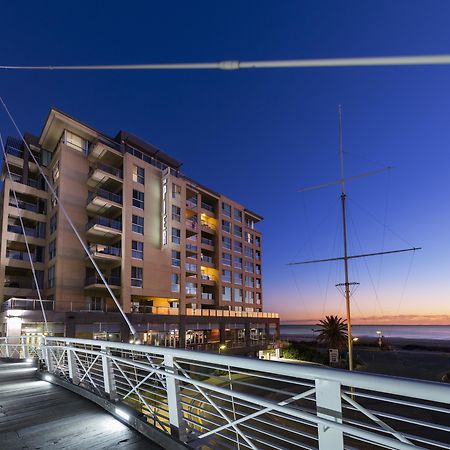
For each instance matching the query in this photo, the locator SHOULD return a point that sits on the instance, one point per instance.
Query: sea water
(438, 332)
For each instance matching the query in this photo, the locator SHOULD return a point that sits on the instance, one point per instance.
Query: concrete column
(247, 334)
(222, 332)
(267, 330)
(277, 331)
(182, 332)
(124, 331)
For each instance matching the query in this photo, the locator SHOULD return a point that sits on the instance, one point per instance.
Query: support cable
(33, 270)
(409, 60)
(69, 220)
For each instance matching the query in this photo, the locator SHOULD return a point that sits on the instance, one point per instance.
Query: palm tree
(333, 332)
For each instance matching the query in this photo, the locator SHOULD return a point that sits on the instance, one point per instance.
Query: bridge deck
(36, 415)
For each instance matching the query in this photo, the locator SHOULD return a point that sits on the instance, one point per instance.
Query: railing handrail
(408, 387)
(105, 221)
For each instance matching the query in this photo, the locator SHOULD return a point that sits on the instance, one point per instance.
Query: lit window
(248, 296)
(138, 199)
(248, 237)
(139, 174)
(137, 249)
(137, 224)
(136, 276)
(76, 142)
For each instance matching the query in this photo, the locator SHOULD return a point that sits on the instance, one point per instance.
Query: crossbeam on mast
(341, 258)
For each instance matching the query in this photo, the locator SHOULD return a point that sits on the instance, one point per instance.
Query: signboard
(334, 355)
(164, 224)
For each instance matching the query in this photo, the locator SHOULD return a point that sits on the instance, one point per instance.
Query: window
(248, 237)
(237, 214)
(237, 247)
(176, 262)
(55, 172)
(96, 304)
(76, 142)
(175, 282)
(176, 190)
(137, 224)
(237, 231)
(258, 241)
(258, 255)
(258, 298)
(248, 296)
(52, 249)
(238, 295)
(258, 283)
(226, 276)
(249, 281)
(238, 308)
(226, 293)
(226, 259)
(176, 213)
(138, 199)
(53, 223)
(139, 174)
(136, 276)
(226, 209)
(137, 249)
(51, 277)
(226, 242)
(176, 236)
(248, 252)
(237, 278)
(191, 289)
(226, 226)
(237, 262)
(248, 266)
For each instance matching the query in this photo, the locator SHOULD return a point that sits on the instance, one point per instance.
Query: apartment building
(184, 261)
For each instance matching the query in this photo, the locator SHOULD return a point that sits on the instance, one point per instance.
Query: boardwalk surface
(36, 415)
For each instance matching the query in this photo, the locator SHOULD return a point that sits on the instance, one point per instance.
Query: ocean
(437, 332)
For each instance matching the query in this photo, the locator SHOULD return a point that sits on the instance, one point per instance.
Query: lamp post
(380, 339)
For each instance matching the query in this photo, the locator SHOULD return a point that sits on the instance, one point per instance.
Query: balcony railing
(25, 205)
(191, 267)
(95, 279)
(207, 241)
(207, 259)
(105, 222)
(191, 247)
(27, 304)
(28, 231)
(191, 224)
(190, 204)
(21, 256)
(207, 207)
(108, 169)
(107, 195)
(207, 296)
(105, 249)
(14, 151)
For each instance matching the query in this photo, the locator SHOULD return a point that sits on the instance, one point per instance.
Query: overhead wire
(71, 224)
(33, 270)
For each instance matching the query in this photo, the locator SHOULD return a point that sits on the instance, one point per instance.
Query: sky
(260, 136)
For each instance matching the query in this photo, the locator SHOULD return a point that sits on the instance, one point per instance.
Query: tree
(332, 331)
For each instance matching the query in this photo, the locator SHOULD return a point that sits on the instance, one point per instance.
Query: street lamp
(380, 339)
(222, 347)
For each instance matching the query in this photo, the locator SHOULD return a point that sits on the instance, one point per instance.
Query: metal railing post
(108, 374)
(72, 365)
(46, 352)
(24, 347)
(329, 406)
(177, 425)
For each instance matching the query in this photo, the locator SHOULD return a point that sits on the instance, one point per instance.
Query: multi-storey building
(184, 261)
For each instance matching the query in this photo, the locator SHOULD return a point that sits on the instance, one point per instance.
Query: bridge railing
(224, 402)
(21, 347)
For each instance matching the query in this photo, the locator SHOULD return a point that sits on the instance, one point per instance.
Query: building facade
(185, 262)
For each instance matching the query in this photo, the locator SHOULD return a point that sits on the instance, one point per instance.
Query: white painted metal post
(329, 406)
(72, 364)
(108, 374)
(47, 355)
(177, 425)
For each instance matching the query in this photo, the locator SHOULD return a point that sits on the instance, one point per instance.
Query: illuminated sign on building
(164, 212)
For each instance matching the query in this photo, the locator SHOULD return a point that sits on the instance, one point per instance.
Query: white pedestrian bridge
(185, 399)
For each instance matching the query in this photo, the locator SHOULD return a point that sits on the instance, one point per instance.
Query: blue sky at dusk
(259, 136)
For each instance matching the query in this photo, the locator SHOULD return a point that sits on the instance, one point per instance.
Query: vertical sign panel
(164, 220)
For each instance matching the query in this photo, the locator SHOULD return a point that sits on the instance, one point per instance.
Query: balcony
(207, 259)
(10, 150)
(29, 182)
(160, 310)
(31, 232)
(191, 268)
(191, 248)
(95, 282)
(27, 206)
(226, 313)
(192, 205)
(208, 279)
(191, 290)
(207, 207)
(103, 227)
(207, 296)
(102, 173)
(100, 149)
(105, 253)
(103, 200)
(191, 227)
(207, 242)
(27, 304)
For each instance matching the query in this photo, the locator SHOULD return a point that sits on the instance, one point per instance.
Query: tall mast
(345, 258)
